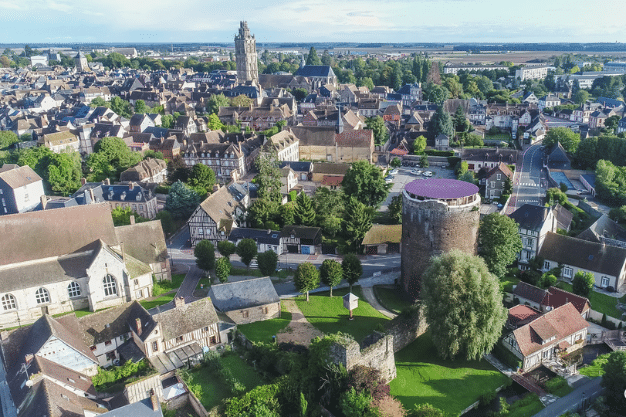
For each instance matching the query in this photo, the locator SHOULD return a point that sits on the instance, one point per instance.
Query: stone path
(299, 331)
(368, 293)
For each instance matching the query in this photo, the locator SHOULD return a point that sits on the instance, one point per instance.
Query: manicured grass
(161, 287)
(254, 272)
(507, 282)
(448, 385)
(262, 331)
(79, 313)
(594, 369)
(328, 315)
(558, 386)
(241, 371)
(526, 407)
(392, 299)
(498, 136)
(164, 299)
(599, 302)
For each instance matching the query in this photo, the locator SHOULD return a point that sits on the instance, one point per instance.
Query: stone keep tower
(245, 55)
(438, 215)
(80, 62)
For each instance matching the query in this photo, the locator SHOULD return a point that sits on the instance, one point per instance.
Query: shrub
(555, 384)
(355, 404)
(292, 195)
(486, 398)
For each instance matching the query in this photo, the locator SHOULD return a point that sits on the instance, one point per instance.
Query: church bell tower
(245, 55)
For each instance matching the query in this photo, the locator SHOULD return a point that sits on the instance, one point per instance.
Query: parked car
(416, 171)
(428, 174)
(393, 171)
(389, 179)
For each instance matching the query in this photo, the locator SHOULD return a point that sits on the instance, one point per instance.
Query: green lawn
(599, 302)
(594, 369)
(526, 407)
(508, 281)
(449, 385)
(164, 299)
(161, 287)
(262, 331)
(558, 386)
(241, 371)
(328, 315)
(391, 298)
(254, 272)
(498, 136)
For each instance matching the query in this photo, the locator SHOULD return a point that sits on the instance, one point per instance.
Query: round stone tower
(438, 215)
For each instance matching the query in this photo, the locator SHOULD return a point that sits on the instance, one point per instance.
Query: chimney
(107, 181)
(28, 358)
(83, 181)
(179, 302)
(155, 400)
(131, 186)
(93, 198)
(216, 187)
(132, 219)
(138, 325)
(44, 202)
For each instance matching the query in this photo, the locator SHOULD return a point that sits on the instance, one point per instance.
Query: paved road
(571, 402)
(530, 179)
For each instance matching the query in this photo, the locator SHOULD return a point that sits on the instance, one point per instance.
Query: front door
(306, 250)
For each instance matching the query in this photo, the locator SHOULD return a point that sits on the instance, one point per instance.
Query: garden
(262, 331)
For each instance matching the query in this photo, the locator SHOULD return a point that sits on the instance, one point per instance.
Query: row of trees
(307, 277)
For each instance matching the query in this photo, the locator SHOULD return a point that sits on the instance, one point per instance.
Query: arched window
(73, 289)
(110, 286)
(42, 296)
(8, 302)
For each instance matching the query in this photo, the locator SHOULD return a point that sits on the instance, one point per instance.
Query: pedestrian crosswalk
(529, 200)
(528, 184)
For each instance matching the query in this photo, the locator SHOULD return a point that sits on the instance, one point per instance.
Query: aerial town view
(305, 209)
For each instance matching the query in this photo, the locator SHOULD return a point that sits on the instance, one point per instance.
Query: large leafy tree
(247, 250)
(357, 221)
(500, 242)
(202, 176)
(222, 269)
(441, 122)
(312, 58)
(366, 183)
(377, 125)
(226, 248)
(205, 255)
(306, 278)
(121, 107)
(267, 261)
(460, 122)
(351, 268)
(582, 284)
(463, 305)
(121, 216)
(110, 158)
(241, 101)
(140, 107)
(331, 273)
(7, 138)
(304, 210)
(614, 381)
(568, 139)
(419, 145)
(395, 209)
(215, 102)
(268, 178)
(214, 122)
(181, 201)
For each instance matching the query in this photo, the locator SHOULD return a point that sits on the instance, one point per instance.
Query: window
(546, 354)
(111, 356)
(136, 282)
(179, 339)
(8, 302)
(93, 347)
(567, 272)
(605, 281)
(42, 296)
(155, 346)
(110, 286)
(107, 343)
(213, 340)
(498, 177)
(546, 265)
(73, 289)
(206, 329)
(264, 310)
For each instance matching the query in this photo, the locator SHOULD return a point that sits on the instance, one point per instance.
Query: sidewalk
(370, 297)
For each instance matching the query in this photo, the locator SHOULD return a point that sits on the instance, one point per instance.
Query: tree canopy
(351, 268)
(222, 269)
(304, 210)
(441, 122)
(181, 201)
(215, 102)
(312, 57)
(377, 125)
(306, 278)
(568, 139)
(463, 304)
(365, 182)
(110, 158)
(582, 284)
(331, 273)
(419, 145)
(247, 250)
(614, 380)
(499, 242)
(267, 262)
(205, 255)
(226, 248)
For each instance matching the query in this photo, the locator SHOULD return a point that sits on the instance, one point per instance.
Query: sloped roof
(522, 314)
(330, 168)
(530, 292)
(503, 168)
(186, 318)
(558, 323)
(64, 375)
(19, 176)
(383, 233)
(52, 400)
(135, 237)
(220, 205)
(530, 217)
(363, 138)
(110, 323)
(315, 136)
(315, 71)
(604, 259)
(557, 297)
(332, 180)
(603, 227)
(243, 294)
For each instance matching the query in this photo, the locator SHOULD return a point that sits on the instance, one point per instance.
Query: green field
(391, 298)
(450, 386)
(329, 316)
(594, 369)
(262, 331)
(161, 287)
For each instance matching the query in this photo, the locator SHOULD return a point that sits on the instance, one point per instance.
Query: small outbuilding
(246, 301)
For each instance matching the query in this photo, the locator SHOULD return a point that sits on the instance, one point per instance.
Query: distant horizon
(304, 21)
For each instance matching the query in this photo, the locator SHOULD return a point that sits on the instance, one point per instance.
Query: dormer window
(123, 196)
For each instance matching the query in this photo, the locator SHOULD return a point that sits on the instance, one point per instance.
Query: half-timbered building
(215, 217)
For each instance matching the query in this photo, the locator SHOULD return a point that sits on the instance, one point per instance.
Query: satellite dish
(29, 383)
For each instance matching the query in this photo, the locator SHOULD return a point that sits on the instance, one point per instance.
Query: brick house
(496, 179)
(246, 301)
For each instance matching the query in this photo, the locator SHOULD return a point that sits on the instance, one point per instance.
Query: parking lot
(404, 176)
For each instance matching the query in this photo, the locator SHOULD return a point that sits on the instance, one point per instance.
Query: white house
(534, 223)
(21, 189)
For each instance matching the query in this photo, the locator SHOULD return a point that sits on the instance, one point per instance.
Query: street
(572, 401)
(529, 181)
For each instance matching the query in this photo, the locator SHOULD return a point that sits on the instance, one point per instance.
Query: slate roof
(110, 323)
(530, 217)
(383, 233)
(301, 232)
(530, 292)
(558, 323)
(563, 217)
(266, 236)
(604, 259)
(330, 168)
(141, 408)
(501, 167)
(603, 227)
(48, 233)
(243, 294)
(186, 318)
(116, 192)
(19, 176)
(315, 71)
(508, 156)
(297, 166)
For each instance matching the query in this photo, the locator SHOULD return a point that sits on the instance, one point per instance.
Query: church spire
(339, 126)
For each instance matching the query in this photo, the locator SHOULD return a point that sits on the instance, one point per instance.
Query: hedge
(434, 152)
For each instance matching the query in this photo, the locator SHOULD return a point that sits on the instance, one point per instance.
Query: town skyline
(70, 21)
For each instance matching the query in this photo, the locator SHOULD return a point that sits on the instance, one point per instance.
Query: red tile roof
(332, 180)
(558, 323)
(399, 152)
(557, 297)
(521, 314)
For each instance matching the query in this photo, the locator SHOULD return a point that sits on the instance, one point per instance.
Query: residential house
(546, 300)
(530, 98)
(265, 239)
(303, 170)
(534, 222)
(410, 93)
(488, 158)
(393, 114)
(148, 171)
(148, 407)
(186, 124)
(548, 101)
(138, 199)
(288, 180)
(521, 315)
(621, 126)
(60, 141)
(382, 239)
(328, 169)
(496, 180)
(140, 122)
(332, 182)
(589, 182)
(598, 117)
(286, 145)
(21, 189)
(442, 142)
(169, 147)
(607, 263)
(246, 301)
(215, 217)
(604, 230)
(561, 330)
(301, 239)
(369, 107)
(154, 254)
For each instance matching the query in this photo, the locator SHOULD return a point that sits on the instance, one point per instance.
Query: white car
(392, 172)
(416, 171)
(428, 174)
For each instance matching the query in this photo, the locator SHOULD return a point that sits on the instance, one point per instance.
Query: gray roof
(186, 318)
(530, 292)
(271, 237)
(16, 177)
(243, 294)
(592, 256)
(315, 71)
(603, 227)
(135, 237)
(141, 408)
(110, 323)
(530, 217)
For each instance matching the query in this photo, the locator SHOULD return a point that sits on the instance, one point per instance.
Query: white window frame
(568, 272)
(605, 282)
(42, 296)
(498, 177)
(73, 289)
(9, 302)
(109, 285)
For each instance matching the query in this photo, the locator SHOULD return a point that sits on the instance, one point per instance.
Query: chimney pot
(179, 302)
(44, 202)
(83, 181)
(131, 186)
(155, 401)
(138, 326)
(28, 358)
(107, 181)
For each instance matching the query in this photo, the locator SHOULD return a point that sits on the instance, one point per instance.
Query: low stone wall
(195, 403)
(586, 207)
(378, 355)
(407, 327)
(177, 402)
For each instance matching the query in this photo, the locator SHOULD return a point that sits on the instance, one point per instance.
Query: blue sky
(311, 21)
